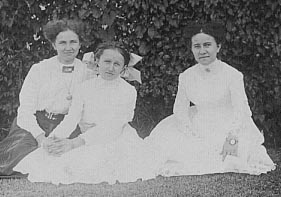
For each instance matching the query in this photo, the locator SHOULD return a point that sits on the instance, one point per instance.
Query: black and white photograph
(140, 98)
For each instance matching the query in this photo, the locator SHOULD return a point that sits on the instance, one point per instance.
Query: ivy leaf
(229, 25)
(108, 18)
(83, 13)
(151, 32)
(96, 12)
(102, 4)
(107, 34)
(143, 49)
(173, 22)
(140, 31)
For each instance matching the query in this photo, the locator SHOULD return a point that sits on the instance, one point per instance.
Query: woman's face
(67, 46)
(204, 48)
(111, 63)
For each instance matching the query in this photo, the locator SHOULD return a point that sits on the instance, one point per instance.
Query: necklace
(67, 76)
(69, 86)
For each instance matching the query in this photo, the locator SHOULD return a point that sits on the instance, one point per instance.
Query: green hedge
(155, 29)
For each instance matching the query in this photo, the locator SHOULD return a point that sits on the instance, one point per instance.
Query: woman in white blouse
(217, 134)
(46, 94)
(108, 149)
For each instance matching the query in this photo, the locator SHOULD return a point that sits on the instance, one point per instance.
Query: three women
(216, 135)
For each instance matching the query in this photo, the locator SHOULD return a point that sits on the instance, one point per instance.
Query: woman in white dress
(46, 94)
(108, 149)
(217, 134)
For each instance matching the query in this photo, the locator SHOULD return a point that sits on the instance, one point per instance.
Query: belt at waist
(48, 121)
(51, 116)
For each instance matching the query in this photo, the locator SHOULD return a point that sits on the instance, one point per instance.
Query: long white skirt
(198, 151)
(125, 159)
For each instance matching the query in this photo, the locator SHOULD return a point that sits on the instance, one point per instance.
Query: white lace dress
(113, 150)
(190, 141)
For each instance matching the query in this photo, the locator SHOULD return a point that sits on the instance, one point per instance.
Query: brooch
(67, 69)
(233, 141)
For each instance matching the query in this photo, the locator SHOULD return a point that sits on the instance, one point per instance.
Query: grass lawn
(229, 184)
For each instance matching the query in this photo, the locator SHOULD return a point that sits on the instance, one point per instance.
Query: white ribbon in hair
(89, 60)
(129, 72)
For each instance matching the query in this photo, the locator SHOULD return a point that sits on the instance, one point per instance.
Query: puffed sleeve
(111, 128)
(127, 113)
(182, 103)
(239, 99)
(28, 102)
(70, 121)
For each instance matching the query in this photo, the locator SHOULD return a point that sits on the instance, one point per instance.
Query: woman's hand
(40, 138)
(59, 146)
(230, 146)
(43, 141)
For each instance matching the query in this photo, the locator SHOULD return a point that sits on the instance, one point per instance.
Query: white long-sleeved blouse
(101, 107)
(47, 87)
(221, 88)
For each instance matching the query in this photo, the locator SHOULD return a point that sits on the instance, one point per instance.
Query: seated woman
(46, 94)
(108, 149)
(216, 135)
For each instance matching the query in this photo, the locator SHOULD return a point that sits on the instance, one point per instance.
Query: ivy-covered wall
(155, 29)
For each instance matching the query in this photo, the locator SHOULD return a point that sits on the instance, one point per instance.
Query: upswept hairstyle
(54, 27)
(113, 45)
(215, 29)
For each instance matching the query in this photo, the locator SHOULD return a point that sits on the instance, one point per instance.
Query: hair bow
(89, 60)
(129, 72)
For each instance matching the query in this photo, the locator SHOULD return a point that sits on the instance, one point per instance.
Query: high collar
(210, 68)
(109, 83)
(62, 65)
(71, 64)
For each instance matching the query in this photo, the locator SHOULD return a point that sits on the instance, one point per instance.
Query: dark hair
(54, 27)
(113, 45)
(215, 29)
